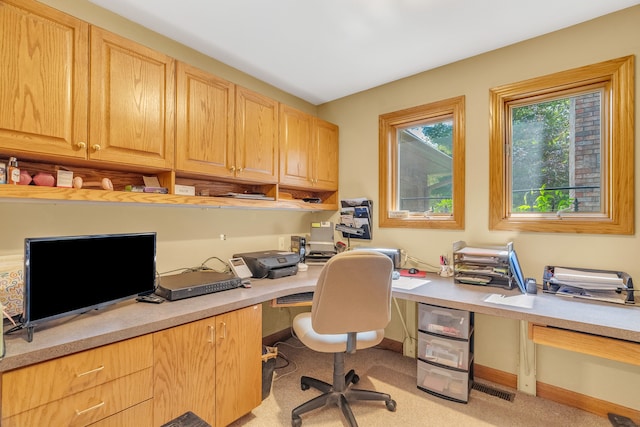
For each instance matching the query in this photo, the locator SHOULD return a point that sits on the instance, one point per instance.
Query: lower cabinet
(211, 367)
(83, 388)
(445, 352)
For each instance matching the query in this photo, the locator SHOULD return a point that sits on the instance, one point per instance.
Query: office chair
(350, 309)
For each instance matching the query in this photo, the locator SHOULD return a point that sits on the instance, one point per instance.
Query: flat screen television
(75, 274)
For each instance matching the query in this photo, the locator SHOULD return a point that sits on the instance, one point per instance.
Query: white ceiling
(322, 50)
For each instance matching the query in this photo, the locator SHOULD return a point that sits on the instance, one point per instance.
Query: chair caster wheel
(391, 405)
(355, 379)
(296, 422)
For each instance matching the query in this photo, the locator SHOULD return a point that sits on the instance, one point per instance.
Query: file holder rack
(483, 265)
(619, 295)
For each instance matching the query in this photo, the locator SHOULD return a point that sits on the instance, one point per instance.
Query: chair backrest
(353, 293)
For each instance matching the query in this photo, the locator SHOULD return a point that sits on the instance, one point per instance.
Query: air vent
(505, 395)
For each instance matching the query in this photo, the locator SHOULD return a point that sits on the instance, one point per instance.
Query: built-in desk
(130, 319)
(596, 328)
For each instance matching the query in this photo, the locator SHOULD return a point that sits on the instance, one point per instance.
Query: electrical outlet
(281, 244)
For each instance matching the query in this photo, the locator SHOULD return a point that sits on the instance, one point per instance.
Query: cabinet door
(296, 145)
(238, 363)
(256, 151)
(326, 158)
(184, 363)
(44, 80)
(205, 112)
(132, 102)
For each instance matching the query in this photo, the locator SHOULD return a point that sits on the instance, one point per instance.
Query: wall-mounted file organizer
(483, 265)
(587, 283)
(356, 219)
(445, 352)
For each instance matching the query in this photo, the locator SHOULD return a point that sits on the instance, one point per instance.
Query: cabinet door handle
(81, 145)
(96, 147)
(224, 330)
(92, 371)
(212, 334)
(232, 168)
(91, 408)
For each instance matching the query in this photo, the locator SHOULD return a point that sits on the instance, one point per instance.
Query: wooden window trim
(388, 125)
(618, 197)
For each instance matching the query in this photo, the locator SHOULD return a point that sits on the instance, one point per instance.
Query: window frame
(388, 125)
(617, 160)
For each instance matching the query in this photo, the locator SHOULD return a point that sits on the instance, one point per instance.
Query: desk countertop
(130, 318)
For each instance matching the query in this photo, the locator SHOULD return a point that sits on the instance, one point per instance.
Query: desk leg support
(527, 362)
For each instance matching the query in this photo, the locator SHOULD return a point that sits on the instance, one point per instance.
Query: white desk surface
(130, 318)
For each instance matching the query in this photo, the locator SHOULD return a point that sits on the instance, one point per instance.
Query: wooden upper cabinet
(132, 102)
(327, 155)
(296, 147)
(205, 122)
(256, 148)
(44, 80)
(308, 151)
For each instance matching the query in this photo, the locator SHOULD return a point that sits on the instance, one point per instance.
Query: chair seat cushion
(331, 343)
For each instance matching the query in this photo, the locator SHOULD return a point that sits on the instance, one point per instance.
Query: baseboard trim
(557, 394)
(581, 401)
(495, 376)
(282, 335)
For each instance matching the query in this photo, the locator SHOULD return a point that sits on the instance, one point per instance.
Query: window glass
(425, 167)
(556, 154)
(422, 166)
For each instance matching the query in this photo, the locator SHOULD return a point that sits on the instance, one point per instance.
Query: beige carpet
(395, 374)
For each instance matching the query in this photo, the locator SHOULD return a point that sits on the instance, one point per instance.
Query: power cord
(201, 267)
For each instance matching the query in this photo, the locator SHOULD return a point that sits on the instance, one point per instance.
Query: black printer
(271, 264)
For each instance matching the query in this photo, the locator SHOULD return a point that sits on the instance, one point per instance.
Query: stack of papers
(587, 280)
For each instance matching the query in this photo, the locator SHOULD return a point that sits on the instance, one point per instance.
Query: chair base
(339, 394)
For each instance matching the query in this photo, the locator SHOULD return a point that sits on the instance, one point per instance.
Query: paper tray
(619, 295)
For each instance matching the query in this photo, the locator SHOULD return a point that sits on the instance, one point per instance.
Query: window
(561, 152)
(422, 166)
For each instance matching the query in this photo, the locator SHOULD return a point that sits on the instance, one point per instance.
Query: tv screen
(74, 274)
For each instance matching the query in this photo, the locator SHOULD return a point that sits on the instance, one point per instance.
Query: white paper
(524, 301)
(408, 282)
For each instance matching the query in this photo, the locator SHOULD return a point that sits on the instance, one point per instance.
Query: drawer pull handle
(91, 408)
(98, 369)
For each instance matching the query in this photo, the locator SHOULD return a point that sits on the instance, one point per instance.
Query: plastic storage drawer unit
(447, 383)
(444, 321)
(443, 351)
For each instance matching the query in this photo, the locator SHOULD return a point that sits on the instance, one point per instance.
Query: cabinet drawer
(90, 405)
(454, 385)
(443, 351)
(36, 385)
(140, 415)
(444, 321)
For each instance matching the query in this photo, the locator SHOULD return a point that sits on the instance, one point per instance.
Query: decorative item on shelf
(44, 179)
(145, 189)
(3, 173)
(64, 177)
(105, 183)
(13, 172)
(25, 178)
